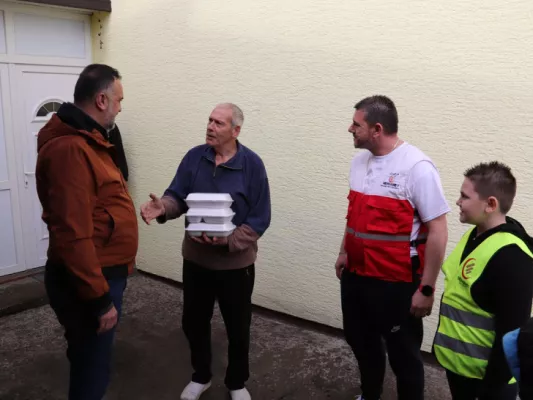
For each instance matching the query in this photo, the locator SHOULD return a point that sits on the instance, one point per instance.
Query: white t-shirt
(384, 176)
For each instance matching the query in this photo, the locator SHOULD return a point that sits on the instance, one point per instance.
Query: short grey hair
(237, 116)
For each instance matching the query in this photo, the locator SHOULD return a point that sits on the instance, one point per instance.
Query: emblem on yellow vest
(468, 266)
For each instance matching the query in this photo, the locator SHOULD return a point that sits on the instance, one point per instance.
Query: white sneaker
(241, 394)
(194, 390)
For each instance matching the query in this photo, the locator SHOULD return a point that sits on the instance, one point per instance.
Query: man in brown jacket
(92, 225)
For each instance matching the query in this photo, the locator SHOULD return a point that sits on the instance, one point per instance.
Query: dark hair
(380, 109)
(494, 179)
(94, 79)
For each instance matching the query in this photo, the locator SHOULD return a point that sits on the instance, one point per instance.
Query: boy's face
(474, 210)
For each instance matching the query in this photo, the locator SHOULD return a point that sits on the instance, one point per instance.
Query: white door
(33, 41)
(40, 91)
(11, 244)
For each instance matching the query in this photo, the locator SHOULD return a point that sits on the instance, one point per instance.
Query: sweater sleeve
(505, 289)
(258, 219)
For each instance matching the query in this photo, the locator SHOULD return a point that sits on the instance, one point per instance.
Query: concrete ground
(289, 361)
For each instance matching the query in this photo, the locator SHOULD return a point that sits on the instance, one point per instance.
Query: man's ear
(378, 128)
(101, 101)
(236, 131)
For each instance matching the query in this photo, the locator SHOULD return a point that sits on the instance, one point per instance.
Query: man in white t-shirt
(391, 252)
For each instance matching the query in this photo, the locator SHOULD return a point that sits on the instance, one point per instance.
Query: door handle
(26, 178)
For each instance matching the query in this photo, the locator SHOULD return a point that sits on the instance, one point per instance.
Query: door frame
(13, 187)
(13, 66)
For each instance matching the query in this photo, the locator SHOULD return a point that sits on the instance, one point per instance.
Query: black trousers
(233, 291)
(463, 388)
(375, 311)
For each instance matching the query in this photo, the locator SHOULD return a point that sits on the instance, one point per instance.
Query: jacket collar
(79, 120)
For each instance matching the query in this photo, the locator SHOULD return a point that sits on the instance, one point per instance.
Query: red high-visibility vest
(381, 219)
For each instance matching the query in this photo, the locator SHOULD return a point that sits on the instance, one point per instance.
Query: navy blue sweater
(244, 177)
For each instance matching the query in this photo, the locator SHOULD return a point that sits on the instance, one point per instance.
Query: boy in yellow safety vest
(488, 288)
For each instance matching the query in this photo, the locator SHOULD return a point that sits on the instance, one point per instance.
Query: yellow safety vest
(466, 334)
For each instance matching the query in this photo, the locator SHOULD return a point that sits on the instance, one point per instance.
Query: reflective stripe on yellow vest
(466, 334)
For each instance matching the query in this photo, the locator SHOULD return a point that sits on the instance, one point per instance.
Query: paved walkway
(288, 361)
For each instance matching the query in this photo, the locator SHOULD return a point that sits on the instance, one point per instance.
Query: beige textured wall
(459, 72)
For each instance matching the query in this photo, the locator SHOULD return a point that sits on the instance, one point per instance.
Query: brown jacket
(91, 218)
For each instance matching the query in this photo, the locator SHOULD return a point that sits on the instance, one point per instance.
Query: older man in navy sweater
(219, 268)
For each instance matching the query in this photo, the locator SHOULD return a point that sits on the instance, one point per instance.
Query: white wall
(459, 72)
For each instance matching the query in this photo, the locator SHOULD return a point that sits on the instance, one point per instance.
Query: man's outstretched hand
(152, 209)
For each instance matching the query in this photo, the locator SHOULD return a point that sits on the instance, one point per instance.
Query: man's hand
(108, 320)
(215, 241)
(152, 209)
(421, 305)
(341, 263)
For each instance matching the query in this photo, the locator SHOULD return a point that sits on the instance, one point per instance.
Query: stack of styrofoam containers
(209, 213)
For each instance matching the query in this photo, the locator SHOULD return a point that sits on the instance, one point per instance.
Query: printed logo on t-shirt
(391, 182)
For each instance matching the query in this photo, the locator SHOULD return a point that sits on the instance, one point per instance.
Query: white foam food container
(211, 230)
(209, 200)
(210, 215)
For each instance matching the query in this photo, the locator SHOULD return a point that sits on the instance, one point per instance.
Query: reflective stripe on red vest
(378, 239)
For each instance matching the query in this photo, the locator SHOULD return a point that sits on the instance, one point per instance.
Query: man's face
(472, 207)
(363, 135)
(219, 128)
(114, 96)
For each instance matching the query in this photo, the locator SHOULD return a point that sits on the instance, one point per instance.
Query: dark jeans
(233, 290)
(463, 388)
(89, 353)
(374, 311)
